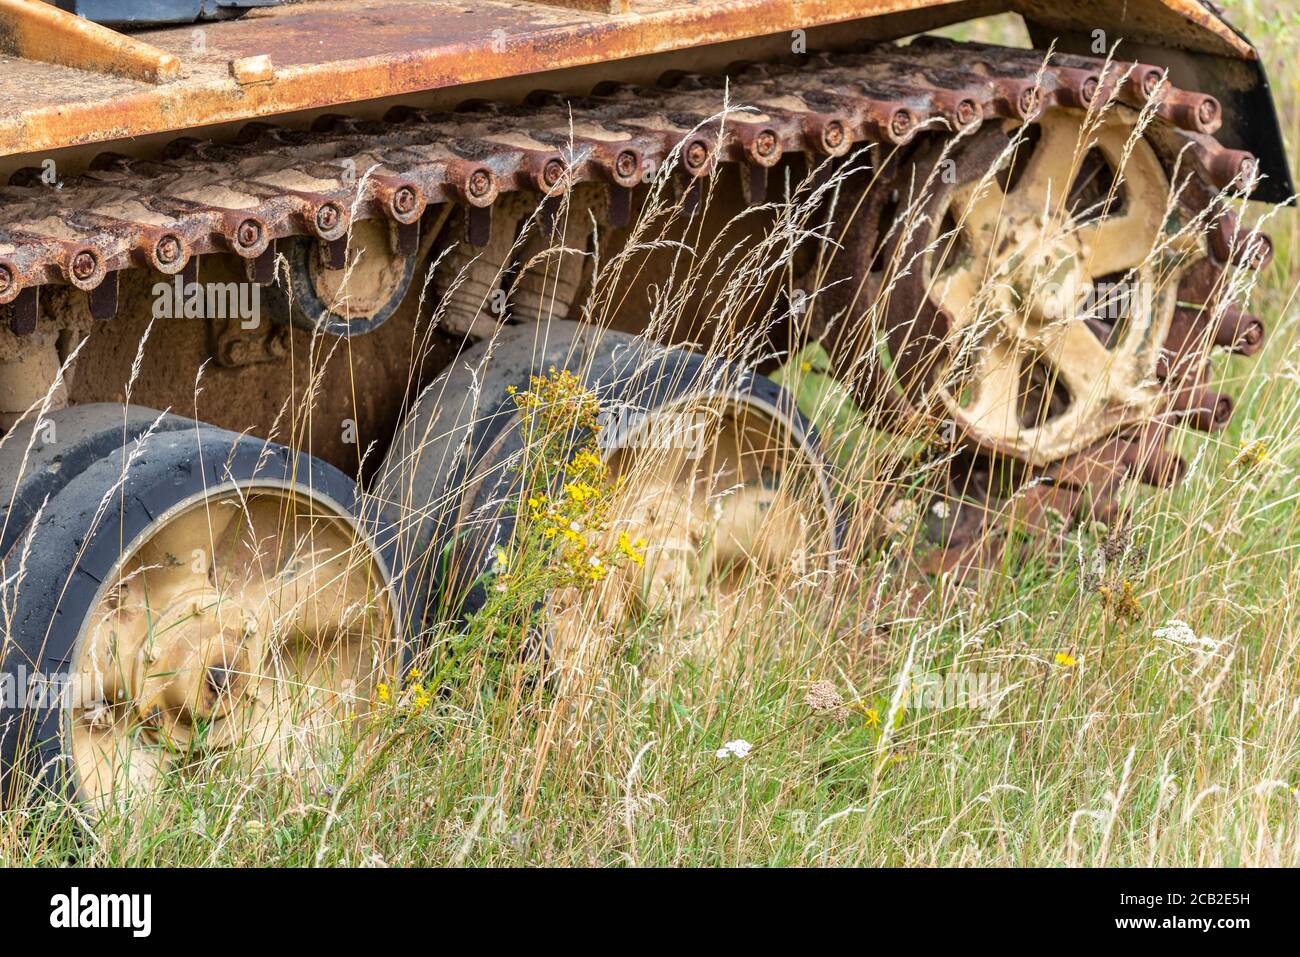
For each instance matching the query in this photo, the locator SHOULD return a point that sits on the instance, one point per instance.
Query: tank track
(273, 182)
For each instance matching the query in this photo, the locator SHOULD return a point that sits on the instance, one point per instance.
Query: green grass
(1101, 742)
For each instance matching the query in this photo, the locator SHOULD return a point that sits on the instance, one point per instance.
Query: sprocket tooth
(1240, 331)
(1204, 409)
(1160, 469)
(1233, 243)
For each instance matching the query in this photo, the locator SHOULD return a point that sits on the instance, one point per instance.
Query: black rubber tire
(32, 471)
(449, 460)
(306, 311)
(52, 584)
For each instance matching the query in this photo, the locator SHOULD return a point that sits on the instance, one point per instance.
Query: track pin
(1204, 409)
(1160, 469)
(1240, 331)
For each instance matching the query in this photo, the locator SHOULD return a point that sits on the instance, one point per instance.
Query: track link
(273, 182)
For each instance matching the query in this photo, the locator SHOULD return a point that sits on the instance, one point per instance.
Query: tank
(234, 415)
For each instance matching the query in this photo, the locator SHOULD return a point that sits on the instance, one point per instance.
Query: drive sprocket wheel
(1049, 309)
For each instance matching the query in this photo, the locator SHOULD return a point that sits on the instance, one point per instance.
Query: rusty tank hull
(70, 83)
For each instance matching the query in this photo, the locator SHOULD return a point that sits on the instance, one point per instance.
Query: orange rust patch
(329, 52)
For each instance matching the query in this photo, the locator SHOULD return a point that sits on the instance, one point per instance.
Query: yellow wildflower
(1122, 600)
(871, 714)
(1252, 454)
(632, 549)
(587, 461)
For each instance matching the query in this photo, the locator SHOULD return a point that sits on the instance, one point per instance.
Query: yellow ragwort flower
(633, 550)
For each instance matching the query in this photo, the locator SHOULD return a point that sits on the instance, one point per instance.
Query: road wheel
(196, 595)
(348, 296)
(713, 466)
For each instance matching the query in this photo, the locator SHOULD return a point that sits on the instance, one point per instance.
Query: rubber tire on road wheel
(446, 477)
(33, 470)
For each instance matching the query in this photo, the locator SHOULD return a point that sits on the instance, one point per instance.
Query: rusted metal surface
(328, 52)
(1184, 24)
(594, 6)
(35, 30)
(201, 197)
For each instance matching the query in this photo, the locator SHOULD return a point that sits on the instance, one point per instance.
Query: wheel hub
(741, 505)
(199, 662)
(367, 284)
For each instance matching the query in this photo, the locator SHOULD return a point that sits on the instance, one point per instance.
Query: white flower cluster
(739, 748)
(1180, 633)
